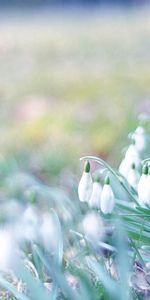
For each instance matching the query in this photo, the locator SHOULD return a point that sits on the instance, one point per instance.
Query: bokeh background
(74, 76)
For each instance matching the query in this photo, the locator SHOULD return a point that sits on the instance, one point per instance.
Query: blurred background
(74, 76)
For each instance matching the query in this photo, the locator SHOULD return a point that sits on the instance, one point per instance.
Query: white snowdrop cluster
(101, 198)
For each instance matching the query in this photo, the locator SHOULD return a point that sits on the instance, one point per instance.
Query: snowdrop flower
(93, 227)
(6, 250)
(49, 233)
(86, 185)
(29, 224)
(133, 177)
(30, 215)
(131, 156)
(94, 201)
(107, 198)
(124, 167)
(139, 137)
(143, 186)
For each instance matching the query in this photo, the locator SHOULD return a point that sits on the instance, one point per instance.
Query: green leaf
(9, 287)
(57, 275)
(110, 285)
(58, 255)
(34, 286)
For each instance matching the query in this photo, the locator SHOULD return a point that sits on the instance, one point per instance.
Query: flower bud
(131, 156)
(133, 177)
(95, 198)
(86, 184)
(107, 197)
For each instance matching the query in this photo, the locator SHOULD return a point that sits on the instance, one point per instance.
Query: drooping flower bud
(142, 186)
(95, 198)
(107, 197)
(86, 184)
(133, 177)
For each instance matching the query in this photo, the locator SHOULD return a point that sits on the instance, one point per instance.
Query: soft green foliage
(67, 262)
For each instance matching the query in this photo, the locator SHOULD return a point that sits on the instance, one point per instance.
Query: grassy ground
(71, 84)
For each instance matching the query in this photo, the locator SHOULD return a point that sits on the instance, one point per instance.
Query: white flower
(143, 187)
(124, 167)
(85, 185)
(139, 137)
(29, 224)
(94, 201)
(107, 198)
(132, 151)
(133, 177)
(6, 250)
(30, 215)
(49, 233)
(93, 227)
(131, 157)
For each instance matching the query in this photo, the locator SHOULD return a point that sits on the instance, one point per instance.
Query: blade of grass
(9, 287)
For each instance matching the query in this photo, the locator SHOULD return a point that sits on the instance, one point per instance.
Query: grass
(57, 255)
